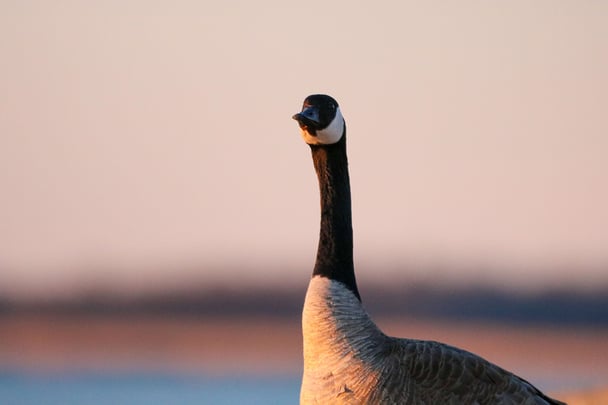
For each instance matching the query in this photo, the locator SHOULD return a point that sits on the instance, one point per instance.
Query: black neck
(335, 252)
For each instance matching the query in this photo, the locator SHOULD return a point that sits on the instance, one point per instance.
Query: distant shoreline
(550, 307)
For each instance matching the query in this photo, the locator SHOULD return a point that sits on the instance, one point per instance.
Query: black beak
(309, 116)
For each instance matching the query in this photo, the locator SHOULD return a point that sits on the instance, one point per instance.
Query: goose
(347, 358)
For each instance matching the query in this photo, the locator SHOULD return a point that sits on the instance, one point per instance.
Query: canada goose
(347, 359)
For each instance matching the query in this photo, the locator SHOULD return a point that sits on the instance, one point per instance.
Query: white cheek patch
(329, 135)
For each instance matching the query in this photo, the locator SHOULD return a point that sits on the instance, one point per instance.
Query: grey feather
(348, 360)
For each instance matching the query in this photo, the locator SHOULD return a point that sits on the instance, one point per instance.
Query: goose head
(321, 122)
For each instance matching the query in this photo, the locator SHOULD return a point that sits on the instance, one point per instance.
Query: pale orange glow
(138, 137)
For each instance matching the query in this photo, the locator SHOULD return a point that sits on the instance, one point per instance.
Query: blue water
(156, 388)
(144, 388)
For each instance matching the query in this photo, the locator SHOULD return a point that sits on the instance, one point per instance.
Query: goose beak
(309, 116)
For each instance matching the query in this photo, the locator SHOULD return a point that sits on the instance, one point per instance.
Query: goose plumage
(347, 358)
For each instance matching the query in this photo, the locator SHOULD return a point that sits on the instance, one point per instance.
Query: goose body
(347, 358)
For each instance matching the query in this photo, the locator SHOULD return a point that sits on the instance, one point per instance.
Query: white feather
(341, 346)
(331, 134)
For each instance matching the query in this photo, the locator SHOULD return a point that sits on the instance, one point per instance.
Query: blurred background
(159, 211)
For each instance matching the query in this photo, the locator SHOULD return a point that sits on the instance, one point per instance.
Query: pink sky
(139, 136)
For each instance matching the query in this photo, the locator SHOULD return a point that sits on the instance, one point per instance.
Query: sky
(150, 143)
